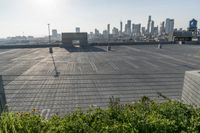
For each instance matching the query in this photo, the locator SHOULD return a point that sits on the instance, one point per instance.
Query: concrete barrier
(2, 96)
(191, 88)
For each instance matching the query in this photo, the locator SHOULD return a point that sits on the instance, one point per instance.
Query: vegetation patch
(144, 116)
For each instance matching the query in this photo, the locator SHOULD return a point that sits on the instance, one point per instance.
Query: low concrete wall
(128, 43)
(2, 95)
(191, 88)
(28, 46)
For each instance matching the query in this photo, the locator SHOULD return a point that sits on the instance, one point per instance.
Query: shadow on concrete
(84, 49)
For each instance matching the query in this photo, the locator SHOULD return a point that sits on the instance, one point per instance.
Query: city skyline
(31, 17)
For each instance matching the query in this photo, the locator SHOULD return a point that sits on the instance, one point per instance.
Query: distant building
(162, 28)
(129, 27)
(136, 29)
(105, 34)
(148, 25)
(54, 33)
(115, 31)
(121, 28)
(182, 36)
(108, 28)
(96, 32)
(143, 31)
(155, 33)
(169, 26)
(193, 24)
(193, 27)
(78, 30)
(152, 27)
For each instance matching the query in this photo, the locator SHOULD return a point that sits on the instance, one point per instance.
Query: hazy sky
(32, 16)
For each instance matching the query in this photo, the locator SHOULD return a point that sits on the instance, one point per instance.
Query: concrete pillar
(2, 95)
(191, 88)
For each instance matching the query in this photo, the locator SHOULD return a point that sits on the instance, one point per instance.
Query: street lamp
(49, 34)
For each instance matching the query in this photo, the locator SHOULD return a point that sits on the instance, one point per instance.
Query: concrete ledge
(191, 88)
(28, 46)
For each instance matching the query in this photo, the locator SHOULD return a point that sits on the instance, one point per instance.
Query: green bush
(145, 116)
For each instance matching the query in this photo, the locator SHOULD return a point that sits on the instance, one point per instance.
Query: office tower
(96, 32)
(155, 31)
(115, 31)
(121, 28)
(78, 30)
(105, 34)
(152, 27)
(136, 29)
(129, 27)
(108, 28)
(169, 26)
(149, 24)
(126, 29)
(162, 28)
(133, 29)
(143, 30)
(54, 33)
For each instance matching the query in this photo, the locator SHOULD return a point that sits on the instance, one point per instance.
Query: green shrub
(144, 116)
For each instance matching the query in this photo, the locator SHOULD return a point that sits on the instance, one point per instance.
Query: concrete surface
(191, 88)
(90, 76)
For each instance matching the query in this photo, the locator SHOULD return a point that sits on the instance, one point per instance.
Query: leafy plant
(144, 116)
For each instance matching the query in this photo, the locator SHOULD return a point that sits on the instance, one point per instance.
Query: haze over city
(30, 17)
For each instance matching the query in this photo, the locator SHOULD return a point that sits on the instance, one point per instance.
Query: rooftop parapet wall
(191, 88)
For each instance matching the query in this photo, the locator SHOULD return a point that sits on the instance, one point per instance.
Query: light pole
(49, 34)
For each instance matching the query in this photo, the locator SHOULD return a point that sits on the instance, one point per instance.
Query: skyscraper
(169, 26)
(155, 32)
(121, 27)
(162, 28)
(152, 27)
(143, 30)
(136, 29)
(149, 24)
(54, 33)
(129, 27)
(78, 30)
(96, 32)
(108, 28)
(115, 31)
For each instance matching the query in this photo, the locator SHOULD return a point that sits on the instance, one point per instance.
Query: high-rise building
(54, 33)
(143, 30)
(115, 31)
(149, 24)
(152, 27)
(108, 28)
(96, 32)
(126, 28)
(121, 27)
(162, 28)
(136, 29)
(78, 30)
(155, 31)
(169, 26)
(105, 34)
(129, 27)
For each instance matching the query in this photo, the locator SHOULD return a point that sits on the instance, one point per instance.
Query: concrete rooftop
(90, 76)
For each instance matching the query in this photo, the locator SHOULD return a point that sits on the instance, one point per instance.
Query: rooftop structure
(69, 38)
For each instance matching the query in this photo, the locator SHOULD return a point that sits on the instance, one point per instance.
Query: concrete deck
(90, 76)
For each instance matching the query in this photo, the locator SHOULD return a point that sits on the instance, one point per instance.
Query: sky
(30, 17)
